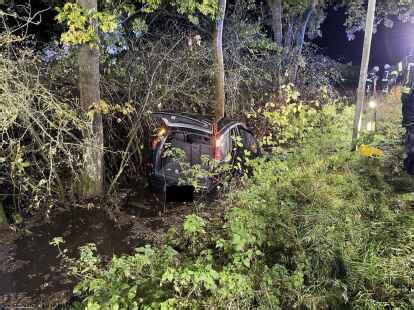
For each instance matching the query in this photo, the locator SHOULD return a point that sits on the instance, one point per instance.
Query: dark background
(389, 45)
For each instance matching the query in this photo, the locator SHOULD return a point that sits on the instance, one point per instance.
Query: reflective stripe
(405, 90)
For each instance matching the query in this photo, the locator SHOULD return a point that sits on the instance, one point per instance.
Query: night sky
(388, 46)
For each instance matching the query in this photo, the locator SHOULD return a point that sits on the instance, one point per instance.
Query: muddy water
(31, 275)
(30, 271)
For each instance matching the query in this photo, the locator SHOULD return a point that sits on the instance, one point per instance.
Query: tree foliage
(81, 24)
(387, 13)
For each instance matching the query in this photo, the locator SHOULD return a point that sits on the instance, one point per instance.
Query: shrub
(315, 227)
(40, 133)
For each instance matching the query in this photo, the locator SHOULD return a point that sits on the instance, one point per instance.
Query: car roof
(195, 121)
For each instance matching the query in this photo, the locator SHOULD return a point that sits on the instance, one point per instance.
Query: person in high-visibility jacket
(372, 78)
(407, 99)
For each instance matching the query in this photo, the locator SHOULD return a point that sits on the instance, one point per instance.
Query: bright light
(161, 132)
(218, 142)
(372, 104)
(370, 126)
(216, 150)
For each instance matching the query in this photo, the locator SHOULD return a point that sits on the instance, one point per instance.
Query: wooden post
(369, 25)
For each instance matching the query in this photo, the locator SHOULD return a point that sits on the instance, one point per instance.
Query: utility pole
(369, 25)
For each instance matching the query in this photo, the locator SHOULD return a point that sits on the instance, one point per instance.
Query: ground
(30, 269)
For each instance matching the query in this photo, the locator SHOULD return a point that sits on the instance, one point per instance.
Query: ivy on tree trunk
(89, 77)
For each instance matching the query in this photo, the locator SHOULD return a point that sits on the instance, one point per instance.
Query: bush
(315, 227)
(40, 137)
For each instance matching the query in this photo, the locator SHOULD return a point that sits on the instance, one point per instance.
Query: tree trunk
(289, 35)
(301, 35)
(219, 62)
(89, 76)
(277, 25)
(369, 25)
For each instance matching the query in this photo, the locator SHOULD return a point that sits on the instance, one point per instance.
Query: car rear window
(194, 145)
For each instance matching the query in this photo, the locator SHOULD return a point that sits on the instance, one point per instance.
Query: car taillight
(216, 149)
(216, 142)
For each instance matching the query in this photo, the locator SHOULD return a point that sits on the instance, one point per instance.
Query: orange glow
(216, 151)
(162, 132)
(216, 143)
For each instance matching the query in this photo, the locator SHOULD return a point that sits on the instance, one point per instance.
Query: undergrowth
(316, 227)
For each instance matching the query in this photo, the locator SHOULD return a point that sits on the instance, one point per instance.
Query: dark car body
(196, 136)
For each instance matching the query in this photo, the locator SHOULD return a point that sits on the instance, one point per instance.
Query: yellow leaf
(369, 151)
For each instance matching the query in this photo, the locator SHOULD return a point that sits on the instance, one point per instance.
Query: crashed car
(227, 142)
